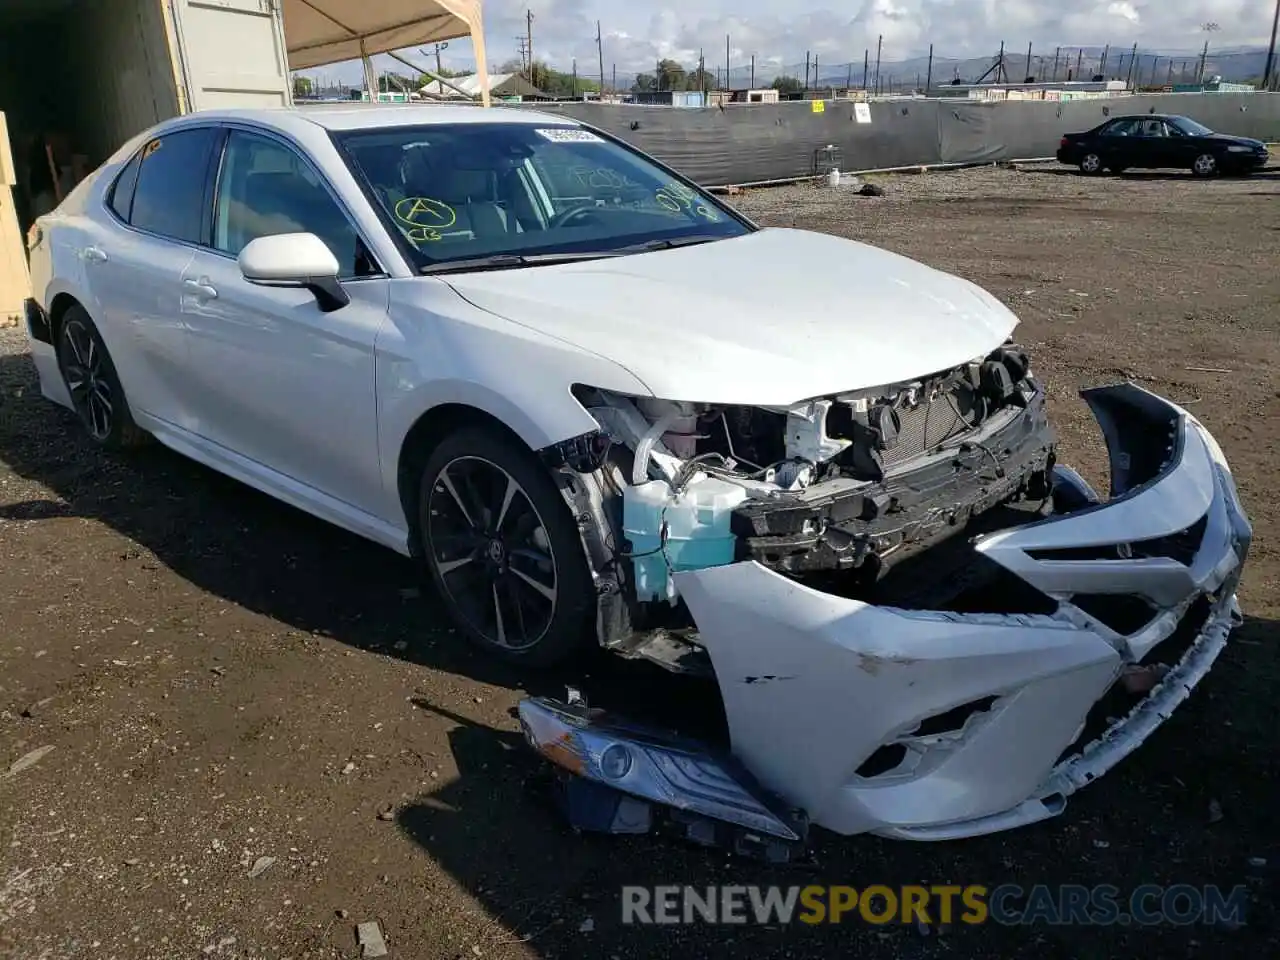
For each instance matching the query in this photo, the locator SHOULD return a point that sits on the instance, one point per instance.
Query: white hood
(768, 319)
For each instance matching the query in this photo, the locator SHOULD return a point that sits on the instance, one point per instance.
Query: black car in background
(1156, 140)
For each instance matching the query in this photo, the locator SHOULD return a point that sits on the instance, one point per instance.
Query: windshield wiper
(669, 244)
(510, 261)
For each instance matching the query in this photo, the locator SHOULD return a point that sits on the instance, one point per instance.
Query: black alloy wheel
(503, 549)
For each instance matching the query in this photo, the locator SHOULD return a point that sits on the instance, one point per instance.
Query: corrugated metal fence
(745, 143)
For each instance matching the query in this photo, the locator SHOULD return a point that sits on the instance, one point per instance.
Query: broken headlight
(649, 765)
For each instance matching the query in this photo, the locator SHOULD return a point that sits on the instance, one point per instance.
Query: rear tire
(1091, 164)
(1205, 166)
(504, 549)
(91, 379)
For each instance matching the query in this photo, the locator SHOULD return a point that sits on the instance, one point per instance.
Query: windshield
(474, 190)
(1190, 127)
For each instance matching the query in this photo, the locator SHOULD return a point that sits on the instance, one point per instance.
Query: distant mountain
(1154, 67)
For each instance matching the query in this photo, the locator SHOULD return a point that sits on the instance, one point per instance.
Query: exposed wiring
(974, 445)
(728, 439)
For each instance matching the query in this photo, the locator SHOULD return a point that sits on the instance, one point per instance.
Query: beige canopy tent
(319, 32)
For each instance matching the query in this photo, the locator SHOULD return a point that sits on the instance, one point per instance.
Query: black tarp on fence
(745, 143)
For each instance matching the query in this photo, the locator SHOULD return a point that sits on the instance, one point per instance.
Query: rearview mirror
(295, 260)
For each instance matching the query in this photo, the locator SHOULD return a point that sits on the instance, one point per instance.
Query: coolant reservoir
(698, 532)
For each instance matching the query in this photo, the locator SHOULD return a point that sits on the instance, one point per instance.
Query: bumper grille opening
(1123, 613)
(885, 760)
(953, 721)
(1181, 546)
(1118, 702)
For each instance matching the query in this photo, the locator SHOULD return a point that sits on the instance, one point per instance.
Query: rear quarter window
(169, 197)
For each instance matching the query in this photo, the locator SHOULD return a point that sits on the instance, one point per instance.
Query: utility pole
(866, 65)
(1271, 51)
(600, 54)
(879, 50)
(1106, 55)
(1204, 56)
(1079, 62)
(928, 84)
(615, 78)
(1056, 54)
(1028, 73)
(528, 22)
(726, 61)
(817, 84)
(702, 76)
(806, 71)
(753, 71)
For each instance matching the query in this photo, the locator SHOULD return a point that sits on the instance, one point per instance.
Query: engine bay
(836, 491)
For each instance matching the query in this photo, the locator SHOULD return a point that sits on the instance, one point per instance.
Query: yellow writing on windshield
(678, 198)
(425, 218)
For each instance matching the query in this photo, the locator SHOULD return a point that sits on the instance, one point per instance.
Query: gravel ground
(263, 732)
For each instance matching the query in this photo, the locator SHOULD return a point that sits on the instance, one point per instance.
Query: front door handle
(201, 288)
(94, 255)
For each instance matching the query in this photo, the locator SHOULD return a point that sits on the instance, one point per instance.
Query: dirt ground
(223, 679)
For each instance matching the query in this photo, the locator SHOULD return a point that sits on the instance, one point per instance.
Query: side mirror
(295, 260)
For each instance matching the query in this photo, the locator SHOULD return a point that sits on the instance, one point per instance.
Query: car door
(1183, 149)
(1157, 148)
(274, 379)
(1118, 145)
(135, 264)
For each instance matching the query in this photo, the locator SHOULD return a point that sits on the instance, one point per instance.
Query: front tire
(91, 379)
(1205, 166)
(503, 549)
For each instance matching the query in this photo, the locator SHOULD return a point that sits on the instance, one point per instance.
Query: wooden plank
(15, 281)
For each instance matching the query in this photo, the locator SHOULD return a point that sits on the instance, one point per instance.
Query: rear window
(122, 192)
(169, 198)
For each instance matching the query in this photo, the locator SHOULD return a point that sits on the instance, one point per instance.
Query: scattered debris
(1209, 370)
(349, 769)
(33, 710)
(1142, 680)
(342, 914)
(587, 926)
(220, 671)
(369, 936)
(478, 699)
(27, 761)
(261, 866)
(1215, 811)
(475, 948)
(132, 862)
(871, 190)
(388, 814)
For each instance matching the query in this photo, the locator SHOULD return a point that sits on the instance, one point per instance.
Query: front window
(475, 190)
(1190, 127)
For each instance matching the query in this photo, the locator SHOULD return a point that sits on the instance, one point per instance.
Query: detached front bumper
(938, 725)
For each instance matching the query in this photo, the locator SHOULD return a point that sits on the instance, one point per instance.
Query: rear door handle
(95, 255)
(201, 288)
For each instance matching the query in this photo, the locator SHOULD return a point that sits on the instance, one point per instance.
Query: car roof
(341, 116)
(1152, 116)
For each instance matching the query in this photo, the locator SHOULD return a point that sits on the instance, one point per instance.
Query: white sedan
(606, 408)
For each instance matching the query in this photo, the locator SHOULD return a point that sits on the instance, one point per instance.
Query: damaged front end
(913, 614)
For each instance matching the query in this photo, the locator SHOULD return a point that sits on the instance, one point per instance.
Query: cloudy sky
(637, 33)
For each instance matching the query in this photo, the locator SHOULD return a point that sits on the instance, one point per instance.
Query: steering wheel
(572, 214)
